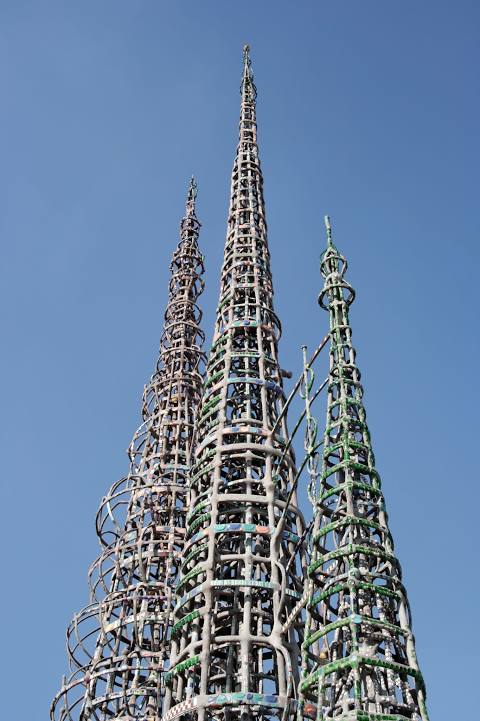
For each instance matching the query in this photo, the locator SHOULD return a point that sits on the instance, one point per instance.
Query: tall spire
(359, 660)
(231, 657)
(119, 644)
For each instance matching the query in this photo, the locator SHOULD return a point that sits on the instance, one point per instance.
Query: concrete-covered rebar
(120, 644)
(231, 657)
(359, 661)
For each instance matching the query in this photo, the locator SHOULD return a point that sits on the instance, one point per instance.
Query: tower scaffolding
(359, 660)
(231, 657)
(212, 599)
(119, 645)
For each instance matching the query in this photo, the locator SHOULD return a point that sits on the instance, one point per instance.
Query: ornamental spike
(247, 88)
(359, 660)
(328, 227)
(118, 645)
(231, 657)
(191, 198)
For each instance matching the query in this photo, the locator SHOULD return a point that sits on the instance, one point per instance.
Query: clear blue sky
(368, 111)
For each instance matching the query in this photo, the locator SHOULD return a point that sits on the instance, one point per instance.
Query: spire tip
(191, 196)
(328, 226)
(247, 87)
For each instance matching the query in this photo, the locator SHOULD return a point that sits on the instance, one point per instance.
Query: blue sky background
(368, 111)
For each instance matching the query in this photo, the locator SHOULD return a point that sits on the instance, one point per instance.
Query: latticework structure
(119, 644)
(211, 599)
(241, 572)
(359, 655)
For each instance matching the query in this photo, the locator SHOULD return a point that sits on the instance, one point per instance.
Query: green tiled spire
(359, 658)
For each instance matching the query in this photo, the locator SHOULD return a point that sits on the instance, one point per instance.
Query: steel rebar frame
(359, 660)
(231, 657)
(119, 645)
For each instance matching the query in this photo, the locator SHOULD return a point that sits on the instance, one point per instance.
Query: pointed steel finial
(191, 196)
(248, 87)
(328, 226)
